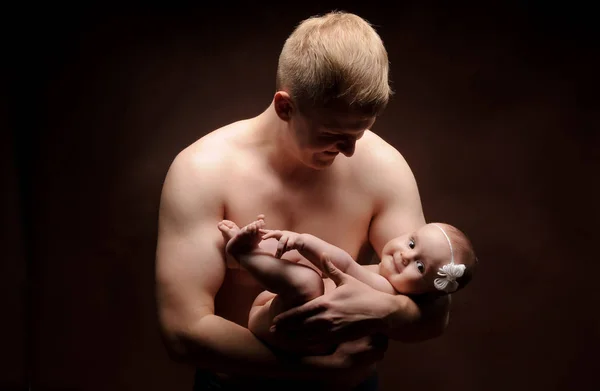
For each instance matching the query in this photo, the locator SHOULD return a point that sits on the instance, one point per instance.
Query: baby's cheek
(399, 283)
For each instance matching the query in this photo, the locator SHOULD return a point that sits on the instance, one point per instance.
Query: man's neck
(270, 130)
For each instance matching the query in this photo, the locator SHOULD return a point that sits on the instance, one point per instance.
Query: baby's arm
(310, 247)
(315, 249)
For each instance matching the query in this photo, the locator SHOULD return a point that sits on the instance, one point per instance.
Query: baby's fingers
(268, 234)
(281, 246)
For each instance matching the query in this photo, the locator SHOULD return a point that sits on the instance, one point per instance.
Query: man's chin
(323, 161)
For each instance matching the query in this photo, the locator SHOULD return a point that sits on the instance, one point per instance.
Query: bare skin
(409, 266)
(409, 263)
(251, 167)
(288, 284)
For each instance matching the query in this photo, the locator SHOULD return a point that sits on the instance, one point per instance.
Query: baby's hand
(288, 240)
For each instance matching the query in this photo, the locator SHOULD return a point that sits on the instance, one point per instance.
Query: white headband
(449, 272)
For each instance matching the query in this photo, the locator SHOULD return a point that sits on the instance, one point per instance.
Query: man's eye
(420, 266)
(411, 244)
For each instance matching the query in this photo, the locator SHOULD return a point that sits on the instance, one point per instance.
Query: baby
(436, 259)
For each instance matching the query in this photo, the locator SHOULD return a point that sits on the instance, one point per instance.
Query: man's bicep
(189, 258)
(399, 207)
(434, 319)
(189, 272)
(420, 322)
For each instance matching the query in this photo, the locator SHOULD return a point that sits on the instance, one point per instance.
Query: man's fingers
(298, 315)
(366, 350)
(369, 356)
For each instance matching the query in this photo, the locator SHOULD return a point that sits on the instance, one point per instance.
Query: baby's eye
(420, 266)
(411, 244)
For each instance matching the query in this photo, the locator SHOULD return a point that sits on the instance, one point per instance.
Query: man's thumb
(331, 271)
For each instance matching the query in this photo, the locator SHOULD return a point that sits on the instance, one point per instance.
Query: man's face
(321, 134)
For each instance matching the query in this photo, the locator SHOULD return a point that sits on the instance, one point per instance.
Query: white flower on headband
(450, 273)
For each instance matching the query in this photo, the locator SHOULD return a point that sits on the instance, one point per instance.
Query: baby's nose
(405, 258)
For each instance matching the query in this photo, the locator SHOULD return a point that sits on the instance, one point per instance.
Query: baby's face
(411, 262)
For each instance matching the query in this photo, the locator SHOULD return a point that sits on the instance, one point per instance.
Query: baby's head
(436, 258)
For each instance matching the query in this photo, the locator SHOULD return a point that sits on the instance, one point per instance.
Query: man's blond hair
(337, 57)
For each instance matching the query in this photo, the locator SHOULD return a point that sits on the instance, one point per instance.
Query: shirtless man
(332, 82)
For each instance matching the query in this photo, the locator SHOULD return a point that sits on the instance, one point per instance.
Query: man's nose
(347, 147)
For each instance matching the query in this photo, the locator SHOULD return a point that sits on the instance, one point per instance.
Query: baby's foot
(229, 229)
(246, 239)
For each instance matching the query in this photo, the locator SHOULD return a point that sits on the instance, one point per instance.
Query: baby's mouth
(397, 259)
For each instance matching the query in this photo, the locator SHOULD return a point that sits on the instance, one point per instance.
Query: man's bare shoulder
(201, 169)
(374, 150)
(216, 146)
(376, 160)
(210, 154)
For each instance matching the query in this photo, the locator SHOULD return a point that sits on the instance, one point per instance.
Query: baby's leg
(266, 306)
(288, 284)
(294, 283)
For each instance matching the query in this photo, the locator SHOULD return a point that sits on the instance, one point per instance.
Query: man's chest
(338, 214)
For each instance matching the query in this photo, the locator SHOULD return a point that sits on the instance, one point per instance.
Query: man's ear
(284, 107)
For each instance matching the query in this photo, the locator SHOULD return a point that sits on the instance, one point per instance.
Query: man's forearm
(219, 345)
(410, 322)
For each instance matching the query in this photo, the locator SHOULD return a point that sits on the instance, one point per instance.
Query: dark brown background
(495, 111)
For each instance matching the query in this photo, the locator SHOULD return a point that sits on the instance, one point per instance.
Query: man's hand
(352, 361)
(350, 311)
